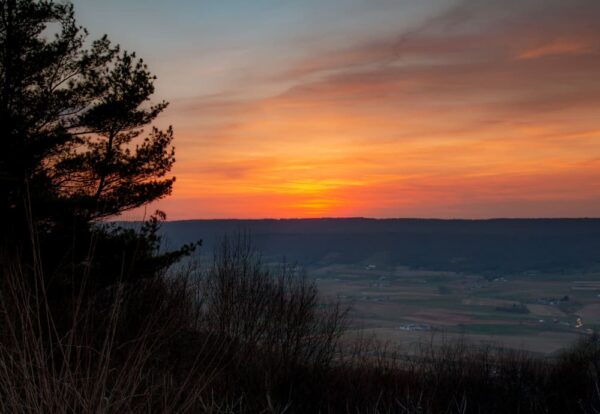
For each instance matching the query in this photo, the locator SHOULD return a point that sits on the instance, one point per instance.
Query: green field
(539, 313)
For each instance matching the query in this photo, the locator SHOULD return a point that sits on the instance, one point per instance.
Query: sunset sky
(377, 108)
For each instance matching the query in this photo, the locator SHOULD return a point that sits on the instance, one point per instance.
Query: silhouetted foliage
(74, 149)
(71, 123)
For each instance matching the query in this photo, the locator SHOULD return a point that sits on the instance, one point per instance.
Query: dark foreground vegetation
(239, 337)
(94, 318)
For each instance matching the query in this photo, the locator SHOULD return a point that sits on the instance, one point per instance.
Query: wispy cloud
(491, 108)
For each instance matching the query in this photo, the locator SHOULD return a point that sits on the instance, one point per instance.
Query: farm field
(538, 313)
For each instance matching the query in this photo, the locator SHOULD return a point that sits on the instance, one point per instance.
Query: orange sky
(481, 109)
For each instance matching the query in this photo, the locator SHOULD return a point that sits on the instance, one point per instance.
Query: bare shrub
(275, 309)
(278, 331)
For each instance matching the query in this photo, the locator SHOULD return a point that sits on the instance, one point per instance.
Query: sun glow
(483, 116)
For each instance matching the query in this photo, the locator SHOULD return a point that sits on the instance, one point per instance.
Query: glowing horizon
(447, 109)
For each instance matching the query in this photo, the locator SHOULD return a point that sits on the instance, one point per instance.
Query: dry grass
(95, 365)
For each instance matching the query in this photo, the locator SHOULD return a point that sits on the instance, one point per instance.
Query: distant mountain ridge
(495, 245)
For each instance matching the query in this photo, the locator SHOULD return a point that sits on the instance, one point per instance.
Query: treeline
(490, 247)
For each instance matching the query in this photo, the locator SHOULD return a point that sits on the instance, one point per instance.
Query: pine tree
(72, 121)
(77, 146)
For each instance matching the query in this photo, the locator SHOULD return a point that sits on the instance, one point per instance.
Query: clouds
(486, 108)
(525, 55)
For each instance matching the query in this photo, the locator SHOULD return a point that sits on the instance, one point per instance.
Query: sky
(373, 108)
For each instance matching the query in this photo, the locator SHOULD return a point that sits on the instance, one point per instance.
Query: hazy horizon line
(367, 218)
